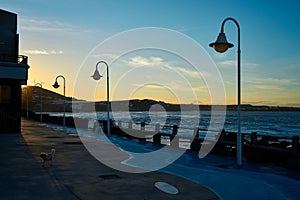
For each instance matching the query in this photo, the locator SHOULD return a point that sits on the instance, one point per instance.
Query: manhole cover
(166, 188)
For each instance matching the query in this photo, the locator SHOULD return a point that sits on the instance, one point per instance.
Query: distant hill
(53, 102)
(146, 104)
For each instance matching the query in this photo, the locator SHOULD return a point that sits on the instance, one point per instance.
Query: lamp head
(96, 76)
(221, 45)
(55, 85)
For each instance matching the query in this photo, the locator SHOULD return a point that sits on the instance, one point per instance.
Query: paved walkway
(218, 173)
(75, 174)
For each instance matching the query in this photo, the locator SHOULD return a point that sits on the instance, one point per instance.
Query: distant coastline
(145, 105)
(53, 102)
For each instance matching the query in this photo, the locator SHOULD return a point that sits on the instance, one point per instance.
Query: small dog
(47, 158)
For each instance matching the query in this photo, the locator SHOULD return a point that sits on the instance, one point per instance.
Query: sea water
(283, 124)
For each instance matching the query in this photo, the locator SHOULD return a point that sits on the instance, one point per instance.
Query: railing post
(222, 136)
(95, 125)
(175, 129)
(243, 138)
(157, 128)
(130, 124)
(295, 143)
(120, 123)
(143, 126)
(253, 138)
(196, 132)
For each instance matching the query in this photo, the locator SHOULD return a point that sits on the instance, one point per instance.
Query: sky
(66, 37)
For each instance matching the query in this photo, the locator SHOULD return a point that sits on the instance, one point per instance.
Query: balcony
(21, 59)
(12, 67)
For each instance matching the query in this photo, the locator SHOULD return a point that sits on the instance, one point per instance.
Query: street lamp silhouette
(221, 45)
(41, 100)
(26, 88)
(56, 85)
(97, 76)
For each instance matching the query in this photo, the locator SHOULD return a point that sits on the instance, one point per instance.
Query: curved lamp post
(41, 100)
(221, 45)
(26, 102)
(56, 85)
(98, 76)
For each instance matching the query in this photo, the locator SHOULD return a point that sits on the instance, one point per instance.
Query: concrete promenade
(75, 174)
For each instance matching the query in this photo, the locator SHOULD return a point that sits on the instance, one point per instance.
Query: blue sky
(59, 35)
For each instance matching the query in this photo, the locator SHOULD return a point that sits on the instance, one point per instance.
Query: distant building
(13, 74)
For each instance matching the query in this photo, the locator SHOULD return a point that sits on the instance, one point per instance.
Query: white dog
(47, 158)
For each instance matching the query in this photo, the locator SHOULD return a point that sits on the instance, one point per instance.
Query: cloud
(281, 81)
(154, 86)
(188, 72)
(220, 55)
(234, 63)
(273, 84)
(139, 61)
(273, 81)
(149, 85)
(110, 56)
(201, 88)
(227, 62)
(38, 25)
(156, 59)
(270, 83)
(42, 52)
(261, 102)
(268, 87)
(42, 25)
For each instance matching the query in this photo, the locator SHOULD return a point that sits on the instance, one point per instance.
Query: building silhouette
(13, 74)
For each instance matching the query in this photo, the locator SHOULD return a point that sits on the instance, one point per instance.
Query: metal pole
(41, 105)
(26, 102)
(64, 113)
(64, 118)
(239, 135)
(107, 94)
(41, 100)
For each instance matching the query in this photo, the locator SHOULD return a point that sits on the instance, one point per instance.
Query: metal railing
(23, 59)
(20, 59)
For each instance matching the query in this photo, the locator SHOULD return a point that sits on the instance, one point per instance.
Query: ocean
(282, 124)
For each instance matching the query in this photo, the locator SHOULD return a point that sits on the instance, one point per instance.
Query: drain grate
(109, 176)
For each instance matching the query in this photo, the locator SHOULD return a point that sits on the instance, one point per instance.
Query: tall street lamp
(41, 100)
(26, 101)
(56, 85)
(97, 76)
(25, 88)
(221, 45)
